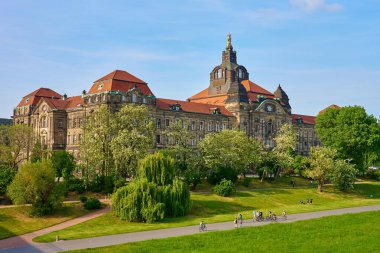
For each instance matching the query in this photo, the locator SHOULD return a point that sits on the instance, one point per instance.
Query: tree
(6, 177)
(343, 175)
(156, 193)
(352, 132)
(134, 135)
(15, 144)
(188, 161)
(63, 164)
(322, 163)
(230, 149)
(285, 147)
(38, 153)
(300, 164)
(35, 184)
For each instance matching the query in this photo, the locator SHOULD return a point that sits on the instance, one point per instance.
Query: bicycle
(202, 228)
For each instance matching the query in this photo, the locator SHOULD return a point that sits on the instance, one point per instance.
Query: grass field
(15, 220)
(212, 208)
(345, 233)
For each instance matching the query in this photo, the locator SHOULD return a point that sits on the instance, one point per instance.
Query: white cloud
(316, 5)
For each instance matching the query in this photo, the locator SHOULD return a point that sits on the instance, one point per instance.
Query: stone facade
(230, 101)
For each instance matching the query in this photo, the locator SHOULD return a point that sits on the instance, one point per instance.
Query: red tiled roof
(306, 119)
(121, 75)
(74, 102)
(166, 104)
(119, 81)
(34, 97)
(202, 94)
(251, 87)
(331, 106)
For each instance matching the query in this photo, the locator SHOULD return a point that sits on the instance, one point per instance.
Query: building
(231, 100)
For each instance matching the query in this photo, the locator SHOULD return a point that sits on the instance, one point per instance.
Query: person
(236, 223)
(202, 226)
(241, 219)
(254, 215)
(284, 214)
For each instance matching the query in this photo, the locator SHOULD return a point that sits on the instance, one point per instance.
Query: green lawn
(15, 220)
(345, 233)
(212, 208)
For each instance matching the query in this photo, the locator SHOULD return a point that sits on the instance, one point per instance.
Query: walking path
(164, 233)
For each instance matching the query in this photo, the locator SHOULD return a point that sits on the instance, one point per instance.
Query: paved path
(170, 232)
(26, 239)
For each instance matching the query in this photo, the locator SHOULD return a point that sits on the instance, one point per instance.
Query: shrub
(75, 185)
(35, 184)
(6, 177)
(217, 174)
(92, 203)
(224, 188)
(83, 199)
(246, 181)
(343, 175)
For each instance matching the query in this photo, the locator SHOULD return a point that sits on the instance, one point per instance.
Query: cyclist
(202, 226)
(284, 214)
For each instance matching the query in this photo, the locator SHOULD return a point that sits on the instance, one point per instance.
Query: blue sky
(322, 52)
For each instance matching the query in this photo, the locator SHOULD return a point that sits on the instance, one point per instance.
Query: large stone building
(230, 101)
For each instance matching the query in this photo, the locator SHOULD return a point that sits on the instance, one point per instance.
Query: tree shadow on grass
(211, 207)
(4, 232)
(368, 190)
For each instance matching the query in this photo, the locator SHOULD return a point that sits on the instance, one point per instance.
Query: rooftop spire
(229, 45)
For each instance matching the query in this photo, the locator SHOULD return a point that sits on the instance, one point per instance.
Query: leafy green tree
(188, 161)
(156, 193)
(95, 146)
(230, 149)
(38, 153)
(63, 164)
(134, 135)
(15, 144)
(285, 147)
(268, 165)
(352, 132)
(35, 184)
(300, 164)
(322, 164)
(6, 177)
(343, 175)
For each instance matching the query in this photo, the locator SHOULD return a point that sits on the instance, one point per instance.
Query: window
(68, 139)
(223, 126)
(144, 100)
(240, 73)
(104, 97)
(209, 127)
(158, 139)
(193, 125)
(44, 122)
(123, 98)
(201, 126)
(80, 137)
(217, 127)
(134, 98)
(100, 86)
(167, 122)
(74, 123)
(96, 98)
(158, 123)
(74, 139)
(193, 142)
(60, 123)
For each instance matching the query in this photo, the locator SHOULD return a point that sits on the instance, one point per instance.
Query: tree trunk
(320, 187)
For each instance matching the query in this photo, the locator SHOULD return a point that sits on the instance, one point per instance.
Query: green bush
(216, 175)
(156, 194)
(92, 203)
(102, 184)
(224, 188)
(75, 185)
(35, 184)
(83, 199)
(6, 177)
(247, 181)
(343, 175)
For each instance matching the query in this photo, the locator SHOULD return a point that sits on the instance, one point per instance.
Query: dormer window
(27, 100)
(299, 120)
(176, 107)
(100, 86)
(216, 111)
(218, 74)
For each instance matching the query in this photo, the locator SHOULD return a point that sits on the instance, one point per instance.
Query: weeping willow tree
(156, 193)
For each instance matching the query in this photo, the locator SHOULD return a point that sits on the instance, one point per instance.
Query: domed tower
(225, 79)
(281, 95)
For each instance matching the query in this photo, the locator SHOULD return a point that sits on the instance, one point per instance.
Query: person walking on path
(254, 216)
(236, 223)
(241, 219)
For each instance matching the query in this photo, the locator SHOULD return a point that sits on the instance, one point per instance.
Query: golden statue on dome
(229, 44)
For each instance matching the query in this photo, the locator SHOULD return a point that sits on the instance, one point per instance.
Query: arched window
(134, 98)
(240, 73)
(43, 122)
